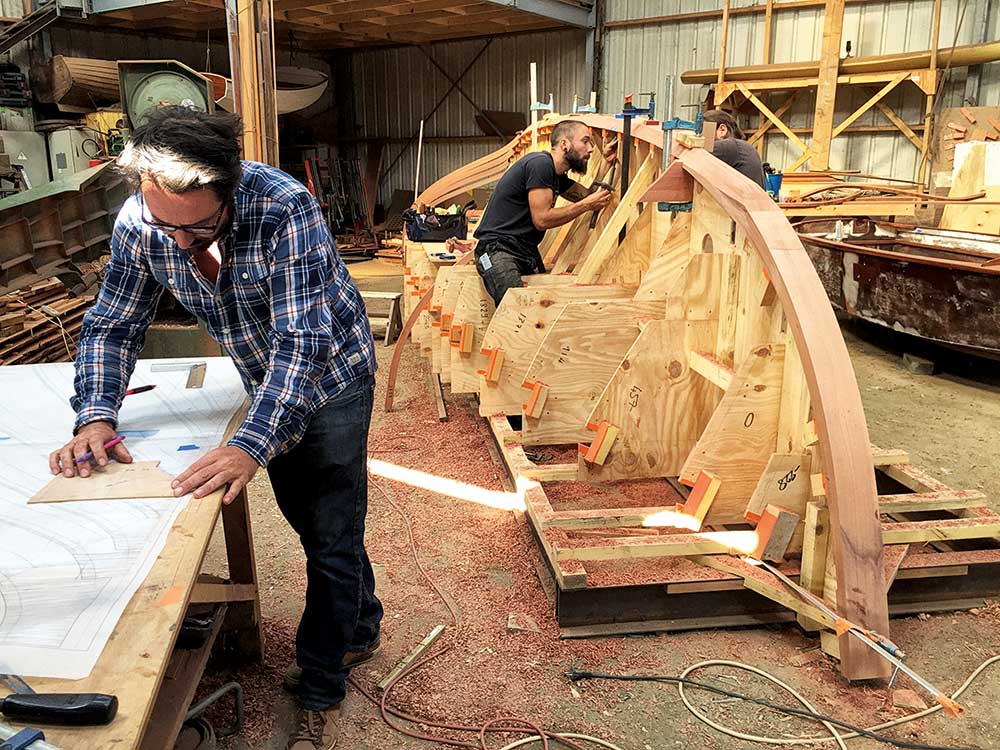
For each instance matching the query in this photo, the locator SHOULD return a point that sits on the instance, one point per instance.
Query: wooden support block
(465, 341)
(817, 485)
(597, 451)
(918, 365)
(701, 497)
(536, 402)
(711, 369)
(968, 115)
(957, 128)
(815, 548)
(493, 367)
(774, 532)
(783, 483)
(991, 136)
(889, 456)
(770, 295)
(994, 122)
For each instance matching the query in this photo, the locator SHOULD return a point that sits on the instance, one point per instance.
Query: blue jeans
(321, 486)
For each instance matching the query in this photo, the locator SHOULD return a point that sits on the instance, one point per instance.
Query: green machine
(147, 84)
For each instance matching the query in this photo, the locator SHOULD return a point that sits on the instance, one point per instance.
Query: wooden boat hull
(933, 298)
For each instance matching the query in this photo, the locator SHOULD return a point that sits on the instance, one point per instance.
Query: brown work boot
(293, 673)
(316, 730)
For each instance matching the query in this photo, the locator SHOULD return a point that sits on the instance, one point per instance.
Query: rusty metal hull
(891, 285)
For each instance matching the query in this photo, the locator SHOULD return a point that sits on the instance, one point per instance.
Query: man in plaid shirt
(245, 248)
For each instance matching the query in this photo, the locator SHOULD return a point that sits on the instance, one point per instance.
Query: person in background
(732, 148)
(523, 206)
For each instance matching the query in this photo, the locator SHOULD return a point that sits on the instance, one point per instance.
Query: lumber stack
(58, 230)
(40, 324)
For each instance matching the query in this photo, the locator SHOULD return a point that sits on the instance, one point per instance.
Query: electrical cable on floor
(871, 732)
(510, 725)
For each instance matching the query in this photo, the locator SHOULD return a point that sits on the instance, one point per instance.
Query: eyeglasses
(194, 230)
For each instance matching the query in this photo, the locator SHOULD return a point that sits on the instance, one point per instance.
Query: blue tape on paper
(137, 433)
(188, 447)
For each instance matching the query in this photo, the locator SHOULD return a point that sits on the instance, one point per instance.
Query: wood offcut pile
(40, 324)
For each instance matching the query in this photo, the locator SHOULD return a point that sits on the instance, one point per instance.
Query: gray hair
(181, 149)
(168, 169)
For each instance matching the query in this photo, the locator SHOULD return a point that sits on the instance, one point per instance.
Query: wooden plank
(740, 437)
(180, 682)
(715, 372)
(607, 518)
(815, 550)
(668, 263)
(576, 359)
(139, 479)
(442, 410)
(607, 243)
(930, 531)
(474, 307)
(925, 501)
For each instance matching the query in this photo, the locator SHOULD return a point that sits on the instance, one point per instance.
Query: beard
(576, 162)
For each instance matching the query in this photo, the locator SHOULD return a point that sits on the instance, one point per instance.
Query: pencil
(110, 444)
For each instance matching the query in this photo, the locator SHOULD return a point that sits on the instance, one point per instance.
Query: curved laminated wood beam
(838, 411)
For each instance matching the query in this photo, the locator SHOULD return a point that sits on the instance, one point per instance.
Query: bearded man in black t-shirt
(523, 206)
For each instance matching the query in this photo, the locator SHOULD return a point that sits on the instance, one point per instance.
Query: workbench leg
(243, 617)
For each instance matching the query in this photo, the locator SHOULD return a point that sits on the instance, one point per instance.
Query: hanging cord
(55, 319)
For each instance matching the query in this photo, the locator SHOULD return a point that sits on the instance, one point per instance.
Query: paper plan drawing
(67, 570)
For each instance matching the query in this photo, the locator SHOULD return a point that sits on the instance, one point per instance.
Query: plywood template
(518, 329)
(577, 357)
(139, 479)
(659, 404)
(739, 439)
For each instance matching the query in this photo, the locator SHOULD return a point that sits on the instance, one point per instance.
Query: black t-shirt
(742, 157)
(508, 215)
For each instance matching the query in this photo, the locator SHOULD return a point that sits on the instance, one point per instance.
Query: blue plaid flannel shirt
(284, 308)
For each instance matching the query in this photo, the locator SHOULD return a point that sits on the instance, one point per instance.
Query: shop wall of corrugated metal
(644, 58)
(395, 87)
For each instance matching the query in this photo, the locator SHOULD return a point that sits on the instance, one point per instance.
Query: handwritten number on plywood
(749, 420)
(787, 479)
(633, 397)
(564, 351)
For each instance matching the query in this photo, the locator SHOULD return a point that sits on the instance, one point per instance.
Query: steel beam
(570, 14)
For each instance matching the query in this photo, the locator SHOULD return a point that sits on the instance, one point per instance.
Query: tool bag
(433, 227)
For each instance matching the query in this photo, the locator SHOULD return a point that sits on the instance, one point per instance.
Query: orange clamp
(536, 402)
(493, 366)
(597, 451)
(701, 498)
